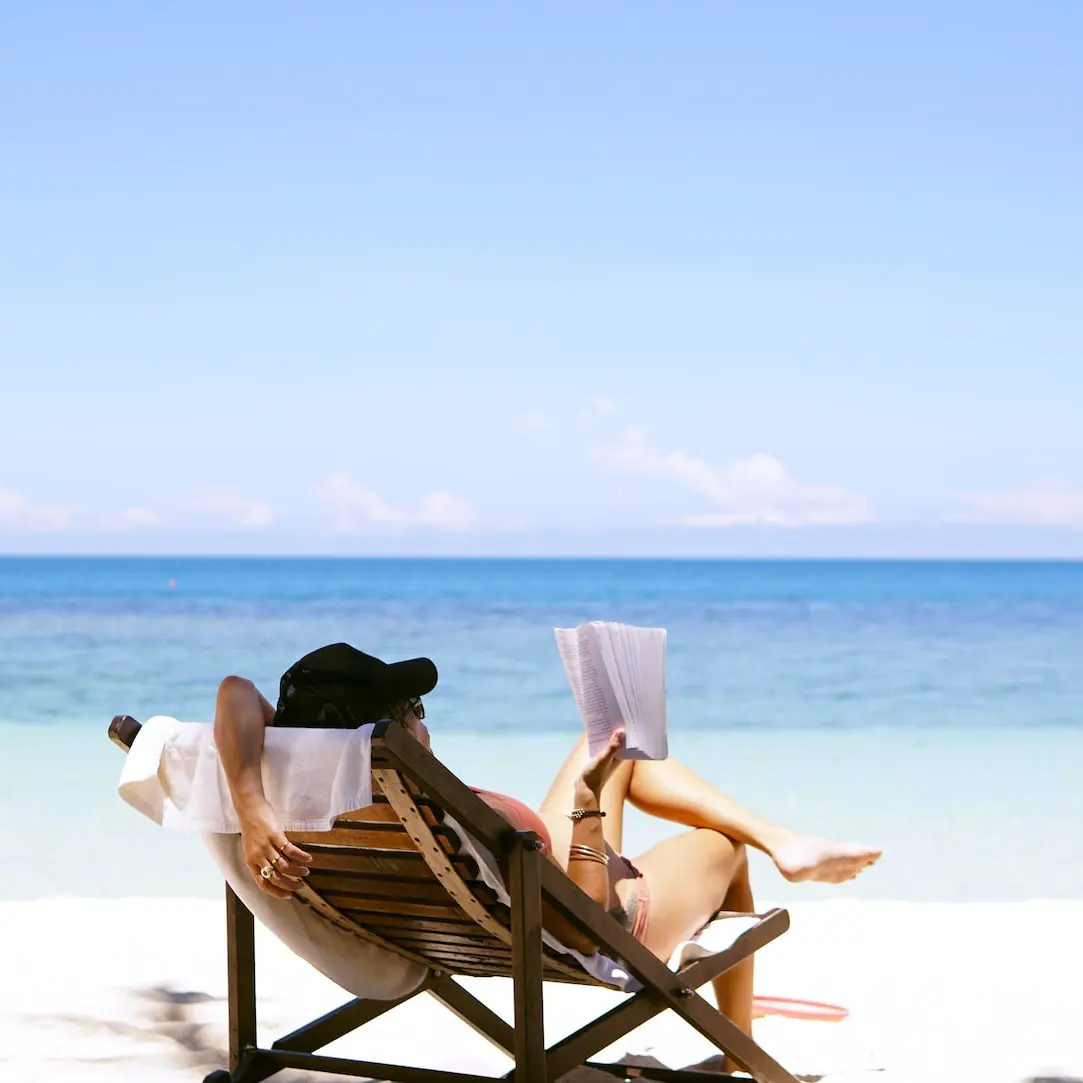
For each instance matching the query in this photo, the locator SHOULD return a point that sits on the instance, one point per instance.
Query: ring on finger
(276, 859)
(267, 872)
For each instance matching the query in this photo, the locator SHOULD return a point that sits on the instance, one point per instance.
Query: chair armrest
(123, 730)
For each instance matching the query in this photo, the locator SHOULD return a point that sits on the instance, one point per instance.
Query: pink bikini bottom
(634, 914)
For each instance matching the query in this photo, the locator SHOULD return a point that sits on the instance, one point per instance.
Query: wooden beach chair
(393, 874)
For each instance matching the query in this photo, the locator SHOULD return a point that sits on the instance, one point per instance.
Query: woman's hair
(399, 710)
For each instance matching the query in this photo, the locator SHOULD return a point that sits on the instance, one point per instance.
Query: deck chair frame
(530, 879)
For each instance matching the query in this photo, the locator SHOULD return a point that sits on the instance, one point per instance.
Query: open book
(618, 677)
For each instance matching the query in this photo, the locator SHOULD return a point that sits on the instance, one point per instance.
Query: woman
(663, 896)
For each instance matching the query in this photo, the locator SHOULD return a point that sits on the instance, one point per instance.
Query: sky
(602, 279)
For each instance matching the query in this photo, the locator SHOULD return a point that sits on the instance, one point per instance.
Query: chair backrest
(395, 872)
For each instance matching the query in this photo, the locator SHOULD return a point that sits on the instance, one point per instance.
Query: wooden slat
(369, 887)
(413, 937)
(502, 966)
(374, 836)
(361, 909)
(459, 959)
(408, 863)
(382, 812)
(373, 814)
(366, 837)
(387, 924)
(340, 858)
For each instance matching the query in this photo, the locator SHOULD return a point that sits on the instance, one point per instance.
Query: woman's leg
(669, 790)
(689, 879)
(733, 990)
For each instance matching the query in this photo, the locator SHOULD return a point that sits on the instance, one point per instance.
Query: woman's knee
(724, 850)
(728, 859)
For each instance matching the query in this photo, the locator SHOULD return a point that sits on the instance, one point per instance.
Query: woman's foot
(802, 858)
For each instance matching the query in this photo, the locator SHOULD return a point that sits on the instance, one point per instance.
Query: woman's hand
(416, 729)
(598, 772)
(264, 845)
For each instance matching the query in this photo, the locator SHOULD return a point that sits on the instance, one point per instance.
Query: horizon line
(685, 558)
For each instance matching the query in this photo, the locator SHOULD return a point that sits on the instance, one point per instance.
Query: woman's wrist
(251, 805)
(585, 797)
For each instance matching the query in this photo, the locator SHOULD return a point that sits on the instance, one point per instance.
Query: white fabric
(716, 937)
(311, 777)
(173, 775)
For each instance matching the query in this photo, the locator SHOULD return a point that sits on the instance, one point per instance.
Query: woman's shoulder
(519, 815)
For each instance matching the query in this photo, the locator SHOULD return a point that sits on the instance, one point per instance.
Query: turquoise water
(935, 708)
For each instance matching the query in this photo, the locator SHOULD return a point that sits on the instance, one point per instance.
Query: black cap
(389, 681)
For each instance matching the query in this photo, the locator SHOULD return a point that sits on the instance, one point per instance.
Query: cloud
(18, 514)
(228, 507)
(755, 491)
(222, 507)
(355, 508)
(1052, 505)
(131, 520)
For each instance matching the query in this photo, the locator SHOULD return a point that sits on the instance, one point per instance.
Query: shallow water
(933, 708)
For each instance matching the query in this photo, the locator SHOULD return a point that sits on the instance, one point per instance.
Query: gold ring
(276, 859)
(266, 872)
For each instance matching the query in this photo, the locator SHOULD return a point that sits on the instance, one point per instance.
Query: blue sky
(611, 278)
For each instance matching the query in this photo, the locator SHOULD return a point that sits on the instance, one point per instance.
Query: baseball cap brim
(413, 677)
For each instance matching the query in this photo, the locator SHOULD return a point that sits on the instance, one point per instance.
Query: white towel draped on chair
(173, 775)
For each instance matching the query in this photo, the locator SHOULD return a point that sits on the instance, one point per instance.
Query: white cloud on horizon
(222, 507)
(754, 491)
(130, 520)
(1050, 506)
(355, 508)
(18, 514)
(228, 508)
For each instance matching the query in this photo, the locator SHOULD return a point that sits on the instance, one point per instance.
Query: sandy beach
(132, 989)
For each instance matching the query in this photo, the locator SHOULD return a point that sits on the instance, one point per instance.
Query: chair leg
(526, 929)
(241, 960)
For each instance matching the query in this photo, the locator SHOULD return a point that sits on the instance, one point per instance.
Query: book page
(596, 677)
(590, 686)
(617, 674)
(634, 659)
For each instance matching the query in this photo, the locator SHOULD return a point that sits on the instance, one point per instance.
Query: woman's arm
(240, 719)
(587, 858)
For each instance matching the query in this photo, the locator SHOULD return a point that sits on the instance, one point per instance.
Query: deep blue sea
(933, 707)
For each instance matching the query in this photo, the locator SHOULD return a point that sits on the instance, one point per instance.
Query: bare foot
(809, 858)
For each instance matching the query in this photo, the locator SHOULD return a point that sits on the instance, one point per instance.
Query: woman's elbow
(233, 686)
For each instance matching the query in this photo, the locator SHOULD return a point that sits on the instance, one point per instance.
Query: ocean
(933, 708)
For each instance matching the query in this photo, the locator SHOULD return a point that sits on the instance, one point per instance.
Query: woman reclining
(663, 896)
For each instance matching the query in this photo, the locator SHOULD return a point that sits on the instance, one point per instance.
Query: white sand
(99, 989)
